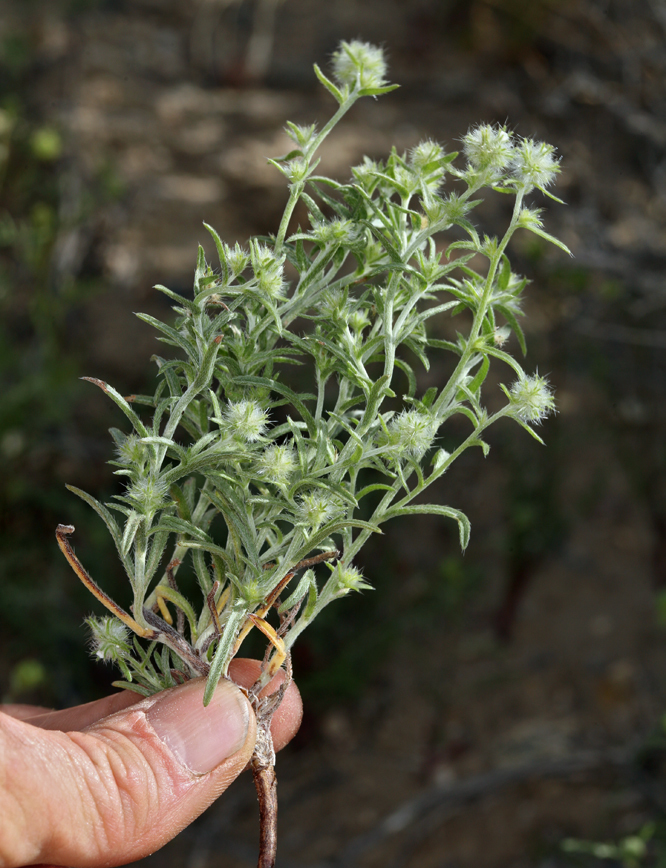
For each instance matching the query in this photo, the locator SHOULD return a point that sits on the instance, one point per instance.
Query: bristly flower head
(277, 464)
(410, 434)
(316, 508)
(132, 451)
(245, 420)
(148, 495)
(359, 62)
(534, 164)
(488, 149)
(348, 579)
(109, 638)
(531, 399)
(268, 269)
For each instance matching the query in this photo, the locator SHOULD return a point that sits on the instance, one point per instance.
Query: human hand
(109, 782)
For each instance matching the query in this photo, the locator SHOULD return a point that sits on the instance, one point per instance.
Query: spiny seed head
(268, 269)
(365, 174)
(358, 320)
(488, 149)
(246, 420)
(148, 495)
(531, 399)
(348, 579)
(300, 135)
(359, 63)
(131, 451)
(277, 464)
(236, 258)
(426, 156)
(316, 508)
(109, 638)
(335, 232)
(534, 164)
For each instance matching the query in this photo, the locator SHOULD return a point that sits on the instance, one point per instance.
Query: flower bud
(342, 232)
(296, 170)
(365, 174)
(236, 258)
(358, 320)
(302, 136)
(426, 156)
(359, 63)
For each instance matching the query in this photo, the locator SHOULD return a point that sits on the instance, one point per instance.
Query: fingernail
(201, 738)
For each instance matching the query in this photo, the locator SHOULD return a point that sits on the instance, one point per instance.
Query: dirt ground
(488, 725)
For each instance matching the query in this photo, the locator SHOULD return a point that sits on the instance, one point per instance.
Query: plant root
(265, 781)
(263, 768)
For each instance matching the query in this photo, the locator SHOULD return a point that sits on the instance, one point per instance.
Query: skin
(95, 786)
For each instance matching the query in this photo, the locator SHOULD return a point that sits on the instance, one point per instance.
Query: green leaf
(184, 605)
(176, 338)
(306, 583)
(175, 524)
(551, 238)
(117, 398)
(480, 375)
(509, 316)
(328, 84)
(156, 552)
(464, 525)
(131, 528)
(377, 91)
(174, 296)
(377, 486)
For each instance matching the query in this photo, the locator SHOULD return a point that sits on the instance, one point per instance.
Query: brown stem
(263, 767)
(265, 781)
(63, 531)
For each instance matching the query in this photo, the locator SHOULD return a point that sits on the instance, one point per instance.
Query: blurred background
(472, 711)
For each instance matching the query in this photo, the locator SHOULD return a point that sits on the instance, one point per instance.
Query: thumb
(123, 787)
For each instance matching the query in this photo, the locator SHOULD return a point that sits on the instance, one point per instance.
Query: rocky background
(472, 711)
